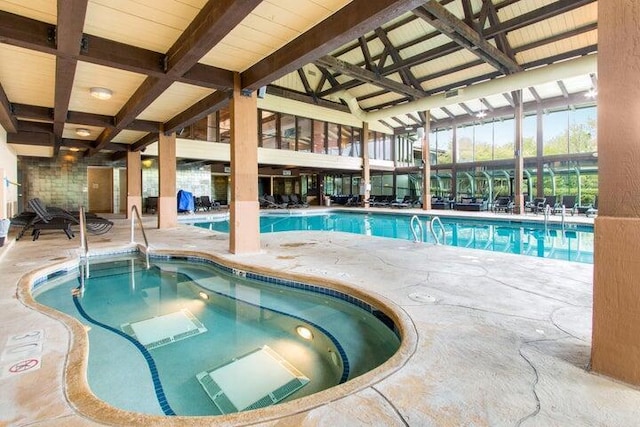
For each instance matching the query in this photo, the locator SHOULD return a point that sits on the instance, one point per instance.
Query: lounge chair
(271, 202)
(406, 202)
(503, 204)
(569, 204)
(593, 210)
(60, 219)
(298, 202)
(207, 204)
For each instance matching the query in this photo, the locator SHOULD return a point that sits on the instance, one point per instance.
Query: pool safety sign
(22, 353)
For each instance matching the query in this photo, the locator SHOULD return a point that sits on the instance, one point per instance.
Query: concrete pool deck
(500, 339)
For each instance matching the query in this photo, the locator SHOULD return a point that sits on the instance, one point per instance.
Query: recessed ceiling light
(83, 132)
(101, 92)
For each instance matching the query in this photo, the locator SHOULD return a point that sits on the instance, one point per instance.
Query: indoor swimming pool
(191, 337)
(571, 242)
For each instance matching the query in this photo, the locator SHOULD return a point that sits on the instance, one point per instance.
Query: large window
(288, 132)
(269, 125)
(582, 130)
(503, 139)
(319, 137)
(346, 147)
(333, 133)
(530, 136)
(483, 141)
(465, 143)
(304, 134)
(444, 146)
(555, 130)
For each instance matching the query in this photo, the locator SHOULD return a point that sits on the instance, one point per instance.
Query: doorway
(100, 183)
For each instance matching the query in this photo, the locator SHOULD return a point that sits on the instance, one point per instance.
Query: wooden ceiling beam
(214, 21)
(44, 114)
(40, 36)
(467, 37)
(209, 27)
(302, 97)
(42, 139)
(367, 76)
(199, 110)
(406, 74)
(71, 16)
(347, 24)
(7, 118)
(143, 142)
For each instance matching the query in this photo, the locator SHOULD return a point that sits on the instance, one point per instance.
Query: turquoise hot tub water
(571, 243)
(187, 337)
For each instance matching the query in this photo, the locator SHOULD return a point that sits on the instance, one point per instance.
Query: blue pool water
(573, 243)
(153, 333)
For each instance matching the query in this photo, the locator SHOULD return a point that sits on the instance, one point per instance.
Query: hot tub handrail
(136, 214)
(84, 243)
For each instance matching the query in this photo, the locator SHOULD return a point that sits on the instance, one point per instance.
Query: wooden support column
(539, 154)
(134, 181)
(426, 163)
(167, 198)
(615, 347)
(366, 169)
(518, 205)
(244, 225)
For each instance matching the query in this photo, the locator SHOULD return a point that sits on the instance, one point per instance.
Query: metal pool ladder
(432, 227)
(84, 246)
(416, 220)
(134, 210)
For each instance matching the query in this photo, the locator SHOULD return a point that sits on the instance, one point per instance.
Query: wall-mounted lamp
(101, 93)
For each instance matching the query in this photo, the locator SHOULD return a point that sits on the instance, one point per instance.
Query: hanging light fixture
(481, 114)
(101, 93)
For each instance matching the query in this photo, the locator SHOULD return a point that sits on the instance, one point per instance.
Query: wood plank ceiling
(169, 63)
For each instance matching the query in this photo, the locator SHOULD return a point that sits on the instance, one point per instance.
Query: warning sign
(21, 366)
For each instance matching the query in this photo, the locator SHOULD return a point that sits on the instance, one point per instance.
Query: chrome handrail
(134, 210)
(413, 230)
(433, 231)
(84, 243)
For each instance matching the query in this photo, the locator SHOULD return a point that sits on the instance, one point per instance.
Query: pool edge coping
(85, 404)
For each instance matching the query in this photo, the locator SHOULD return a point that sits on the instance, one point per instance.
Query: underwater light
(304, 332)
(203, 295)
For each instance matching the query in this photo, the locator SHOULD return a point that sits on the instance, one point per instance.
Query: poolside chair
(297, 201)
(406, 202)
(503, 204)
(60, 219)
(271, 202)
(593, 210)
(569, 204)
(207, 204)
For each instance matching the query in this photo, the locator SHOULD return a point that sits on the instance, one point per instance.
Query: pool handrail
(413, 230)
(136, 214)
(84, 243)
(433, 230)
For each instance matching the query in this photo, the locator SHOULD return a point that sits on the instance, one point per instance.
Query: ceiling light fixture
(74, 149)
(481, 114)
(591, 93)
(83, 132)
(101, 92)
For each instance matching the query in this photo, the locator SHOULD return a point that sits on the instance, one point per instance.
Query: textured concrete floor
(492, 339)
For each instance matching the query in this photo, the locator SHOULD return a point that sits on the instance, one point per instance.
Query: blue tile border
(153, 370)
